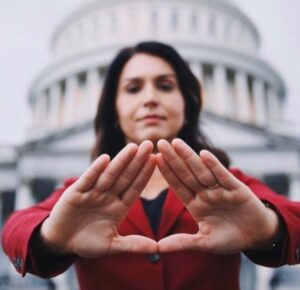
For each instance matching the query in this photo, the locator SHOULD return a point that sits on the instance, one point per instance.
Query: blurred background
(53, 59)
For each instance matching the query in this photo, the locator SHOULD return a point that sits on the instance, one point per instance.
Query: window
(7, 200)
(232, 95)
(252, 108)
(208, 81)
(47, 96)
(62, 104)
(212, 25)
(113, 21)
(266, 101)
(227, 28)
(154, 19)
(42, 188)
(278, 182)
(174, 20)
(194, 21)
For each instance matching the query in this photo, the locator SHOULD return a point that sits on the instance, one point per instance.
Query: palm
(84, 221)
(230, 217)
(222, 222)
(92, 222)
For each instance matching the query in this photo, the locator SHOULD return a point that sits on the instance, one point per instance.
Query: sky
(26, 28)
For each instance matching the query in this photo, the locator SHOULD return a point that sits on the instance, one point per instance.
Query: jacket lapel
(171, 210)
(137, 217)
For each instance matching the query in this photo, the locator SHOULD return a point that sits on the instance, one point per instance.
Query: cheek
(178, 108)
(125, 111)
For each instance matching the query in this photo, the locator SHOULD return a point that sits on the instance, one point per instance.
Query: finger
(115, 167)
(195, 163)
(88, 179)
(141, 180)
(181, 242)
(183, 192)
(134, 244)
(133, 168)
(222, 174)
(179, 167)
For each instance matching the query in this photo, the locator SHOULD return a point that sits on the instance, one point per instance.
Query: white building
(244, 95)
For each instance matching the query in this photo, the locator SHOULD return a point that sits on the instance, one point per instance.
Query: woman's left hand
(229, 215)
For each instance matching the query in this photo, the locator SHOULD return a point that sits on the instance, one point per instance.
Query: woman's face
(149, 102)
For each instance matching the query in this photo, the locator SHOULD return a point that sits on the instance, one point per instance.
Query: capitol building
(243, 97)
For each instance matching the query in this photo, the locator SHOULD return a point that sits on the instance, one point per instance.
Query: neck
(156, 184)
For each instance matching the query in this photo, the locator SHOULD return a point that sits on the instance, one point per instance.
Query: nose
(151, 98)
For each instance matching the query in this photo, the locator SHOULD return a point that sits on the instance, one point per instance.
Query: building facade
(243, 96)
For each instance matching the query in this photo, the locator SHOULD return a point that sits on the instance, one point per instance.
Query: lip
(151, 117)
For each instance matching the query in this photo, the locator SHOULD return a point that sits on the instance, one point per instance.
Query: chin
(154, 138)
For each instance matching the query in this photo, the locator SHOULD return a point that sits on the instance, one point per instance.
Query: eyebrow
(157, 77)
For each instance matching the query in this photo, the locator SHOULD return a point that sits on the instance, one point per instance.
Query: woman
(158, 215)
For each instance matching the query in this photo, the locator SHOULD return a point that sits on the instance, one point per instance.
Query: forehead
(143, 64)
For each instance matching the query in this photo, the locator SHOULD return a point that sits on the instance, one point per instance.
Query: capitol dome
(243, 96)
(220, 43)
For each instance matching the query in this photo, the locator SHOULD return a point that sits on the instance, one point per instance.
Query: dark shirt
(153, 209)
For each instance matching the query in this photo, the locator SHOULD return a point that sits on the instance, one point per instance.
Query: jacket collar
(170, 212)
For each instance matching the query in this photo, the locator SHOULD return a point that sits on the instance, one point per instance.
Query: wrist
(45, 243)
(272, 231)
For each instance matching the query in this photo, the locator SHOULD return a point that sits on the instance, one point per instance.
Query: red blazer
(188, 270)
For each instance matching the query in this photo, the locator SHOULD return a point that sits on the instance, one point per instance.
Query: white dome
(105, 24)
(216, 38)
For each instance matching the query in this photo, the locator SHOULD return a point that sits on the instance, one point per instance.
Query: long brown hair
(109, 137)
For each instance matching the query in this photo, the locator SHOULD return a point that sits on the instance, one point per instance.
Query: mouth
(152, 117)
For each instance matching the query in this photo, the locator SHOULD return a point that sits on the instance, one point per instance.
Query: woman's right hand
(84, 220)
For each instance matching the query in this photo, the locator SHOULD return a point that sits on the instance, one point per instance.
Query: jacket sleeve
(18, 232)
(287, 251)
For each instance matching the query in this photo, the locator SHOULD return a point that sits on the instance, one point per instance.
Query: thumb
(180, 242)
(134, 244)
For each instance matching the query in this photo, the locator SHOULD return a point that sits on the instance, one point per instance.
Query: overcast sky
(26, 28)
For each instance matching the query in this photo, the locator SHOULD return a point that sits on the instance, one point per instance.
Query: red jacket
(174, 271)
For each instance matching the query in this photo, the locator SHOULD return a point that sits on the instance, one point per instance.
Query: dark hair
(109, 137)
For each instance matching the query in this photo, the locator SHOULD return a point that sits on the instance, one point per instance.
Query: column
(259, 102)
(40, 122)
(220, 91)
(273, 104)
(242, 97)
(294, 191)
(1, 210)
(264, 276)
(43, 117)
(55, 92)
(196, 68)
(70, 100)
(24, 197)
(23, 200)
(92, 93)
(35, 122)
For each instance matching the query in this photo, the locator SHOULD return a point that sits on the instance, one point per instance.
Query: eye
(165, 86)
(133, 89)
